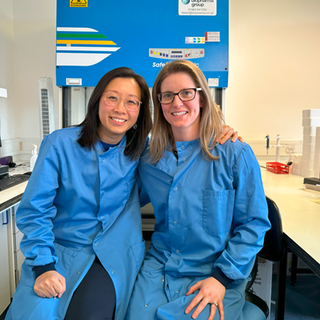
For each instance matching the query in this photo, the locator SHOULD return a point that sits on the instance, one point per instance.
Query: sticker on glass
(197, 7)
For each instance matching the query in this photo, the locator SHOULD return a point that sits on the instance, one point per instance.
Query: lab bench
(10, 237)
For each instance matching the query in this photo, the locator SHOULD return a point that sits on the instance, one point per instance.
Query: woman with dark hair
(135, 139)
(209, 204)
(80, 213)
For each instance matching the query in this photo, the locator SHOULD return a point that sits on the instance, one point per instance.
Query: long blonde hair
(211, 118)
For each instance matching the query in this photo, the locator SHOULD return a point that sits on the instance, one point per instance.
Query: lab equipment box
(95, 36)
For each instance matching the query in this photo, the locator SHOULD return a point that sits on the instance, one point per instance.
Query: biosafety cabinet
(95, 36)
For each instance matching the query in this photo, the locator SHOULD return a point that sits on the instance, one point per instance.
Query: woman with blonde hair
(209, 204)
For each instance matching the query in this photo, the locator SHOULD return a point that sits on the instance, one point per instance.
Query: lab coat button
(184, 160)
(182, 147)
(78, 271)
(104, 161)
(112, 271)
(175, 189)
(102, 217)
(176, 291)
(145, 305)
(162, 280)
(174, 222)
(177, 251)
(96, 244)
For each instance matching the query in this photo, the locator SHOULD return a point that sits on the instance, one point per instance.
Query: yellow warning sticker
(78, 3)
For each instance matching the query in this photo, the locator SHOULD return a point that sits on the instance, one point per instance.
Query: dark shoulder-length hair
(136, 136)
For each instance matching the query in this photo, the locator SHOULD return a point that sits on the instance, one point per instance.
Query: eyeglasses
(113, 100)
(184, 95)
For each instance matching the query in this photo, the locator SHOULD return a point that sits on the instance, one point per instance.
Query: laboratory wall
(34, 46)
(27, 50)
(274, 65)
(8, 109)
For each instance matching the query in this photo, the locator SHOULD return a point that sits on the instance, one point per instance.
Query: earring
(135, 126)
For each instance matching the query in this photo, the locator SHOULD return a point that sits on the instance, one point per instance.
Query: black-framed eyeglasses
(113, 100)
(184, 95)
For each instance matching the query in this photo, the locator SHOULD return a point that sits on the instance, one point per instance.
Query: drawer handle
(7, 217)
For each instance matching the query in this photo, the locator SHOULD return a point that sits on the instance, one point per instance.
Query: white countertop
(12, 192)
(299, 209)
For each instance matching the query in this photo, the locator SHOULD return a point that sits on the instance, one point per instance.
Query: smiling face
(184, 117)
(116, 121)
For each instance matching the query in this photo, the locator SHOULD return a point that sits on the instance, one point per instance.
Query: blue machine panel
(95, 36)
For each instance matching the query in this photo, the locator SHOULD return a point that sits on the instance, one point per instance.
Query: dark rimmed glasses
(184, 95)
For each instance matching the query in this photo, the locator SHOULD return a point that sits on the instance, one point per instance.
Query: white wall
(274, 66)
(27, 52)
(34, 56)
(7, 106)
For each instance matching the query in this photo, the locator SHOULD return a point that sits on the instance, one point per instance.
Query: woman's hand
(211, 291)
(228, 133)
(50, 284)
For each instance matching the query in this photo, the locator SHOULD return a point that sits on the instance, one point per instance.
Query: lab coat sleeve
(250, 218)
(143, 196)
(36, 210)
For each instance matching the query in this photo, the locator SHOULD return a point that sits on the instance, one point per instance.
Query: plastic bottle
(34, 156)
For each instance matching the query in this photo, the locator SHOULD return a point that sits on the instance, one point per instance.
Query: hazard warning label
(78, 3)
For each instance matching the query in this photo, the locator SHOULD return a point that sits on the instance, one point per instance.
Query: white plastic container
(34, 156)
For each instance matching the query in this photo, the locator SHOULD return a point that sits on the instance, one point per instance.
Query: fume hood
(95, 36)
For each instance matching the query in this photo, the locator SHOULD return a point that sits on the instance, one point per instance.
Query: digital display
(176, 52)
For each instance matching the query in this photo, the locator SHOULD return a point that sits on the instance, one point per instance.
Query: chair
(273, 249)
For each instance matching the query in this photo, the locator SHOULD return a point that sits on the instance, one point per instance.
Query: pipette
(268, 141)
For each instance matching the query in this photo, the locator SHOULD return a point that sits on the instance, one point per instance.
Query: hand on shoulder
(228, 133)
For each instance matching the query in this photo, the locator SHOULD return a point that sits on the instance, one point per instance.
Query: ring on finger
(215, 304)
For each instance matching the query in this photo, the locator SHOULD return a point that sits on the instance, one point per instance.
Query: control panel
(174, 54)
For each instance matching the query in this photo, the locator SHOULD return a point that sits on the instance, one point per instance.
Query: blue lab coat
(78, 204)
(211, 217)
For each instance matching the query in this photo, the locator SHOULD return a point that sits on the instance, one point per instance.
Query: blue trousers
(161, 296)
